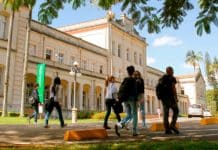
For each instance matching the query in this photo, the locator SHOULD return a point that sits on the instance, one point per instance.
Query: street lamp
(75, 71)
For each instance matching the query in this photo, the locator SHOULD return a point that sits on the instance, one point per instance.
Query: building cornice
(64, 37)
(64, 67)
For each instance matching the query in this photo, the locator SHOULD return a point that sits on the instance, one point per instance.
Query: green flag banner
(40, 79)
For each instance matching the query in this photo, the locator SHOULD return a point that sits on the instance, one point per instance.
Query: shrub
(85, 114)
(101, 115)
(183, 115)
(13, 114)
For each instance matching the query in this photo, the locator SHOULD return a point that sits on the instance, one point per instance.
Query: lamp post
(75, 71)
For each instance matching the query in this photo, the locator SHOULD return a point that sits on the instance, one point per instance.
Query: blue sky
(166, 48)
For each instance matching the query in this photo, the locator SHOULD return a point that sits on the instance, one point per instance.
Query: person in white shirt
(55, 96)
(110, 99)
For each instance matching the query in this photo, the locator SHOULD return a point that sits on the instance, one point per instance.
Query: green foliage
(207, 16)
(212, 100)
(101, 115)
(193, 58)
(127, 145)
(49, 9)
(170, 14)
(211, 70)
(85, 114)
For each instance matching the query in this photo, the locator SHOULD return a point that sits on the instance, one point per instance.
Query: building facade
(152, 102)
(102, 47)
(194, 86)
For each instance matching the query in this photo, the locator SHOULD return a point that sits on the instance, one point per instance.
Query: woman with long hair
(110, 99)
(140, 95)
(56, 97)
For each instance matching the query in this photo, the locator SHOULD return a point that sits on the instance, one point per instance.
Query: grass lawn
(20, 121)
(165, 145)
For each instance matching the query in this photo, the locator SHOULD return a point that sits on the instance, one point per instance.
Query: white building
(194, 86)
(102, 47)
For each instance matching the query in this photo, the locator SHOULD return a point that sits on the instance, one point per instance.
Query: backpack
(125, 89)
(161, 88)
(33, 98)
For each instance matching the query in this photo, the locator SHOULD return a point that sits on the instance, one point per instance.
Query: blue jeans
(131, 111)
(141, 102)
(58, 108)
(35, 113)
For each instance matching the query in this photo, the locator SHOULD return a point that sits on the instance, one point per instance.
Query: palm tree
(212, 75)
(193, 58)
(13, 5)
(29, 4)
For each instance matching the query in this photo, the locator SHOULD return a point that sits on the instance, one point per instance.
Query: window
(60, 57)
(135, 57)
(2, 27)
(72, 59)
(113, 48)
(101, 69)
(119, 50)
(140, 59)
(48, 54)
(182, 91)
(32, 49)
(1, 81)
(92, 67)
(84, 64)
(127, 55)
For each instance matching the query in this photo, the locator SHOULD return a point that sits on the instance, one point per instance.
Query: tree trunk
(7, 66)
(26, 53)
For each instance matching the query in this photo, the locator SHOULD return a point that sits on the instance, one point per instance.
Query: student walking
(128, 94)
(110, 100)
(34, 98)
(55, 99)
(140, 95)
(166, 92)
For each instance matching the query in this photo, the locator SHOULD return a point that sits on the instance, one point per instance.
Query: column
(81, 96)
(92, 96)
(102, 100)
(69, 98)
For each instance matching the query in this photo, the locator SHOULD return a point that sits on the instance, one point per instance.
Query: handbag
(118, 107)
(31, 100)
(49, 104)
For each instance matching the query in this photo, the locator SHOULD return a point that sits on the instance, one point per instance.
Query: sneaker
(107, 127)
(168, 132)
(175, 130)
(116, 130)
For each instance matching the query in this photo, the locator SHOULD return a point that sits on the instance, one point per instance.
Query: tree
(29, 4)
(212, 78)
(13, 5)
(193, 58)
(143, 12)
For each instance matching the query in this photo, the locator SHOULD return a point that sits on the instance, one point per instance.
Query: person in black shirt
(169, 100)
(140, 95)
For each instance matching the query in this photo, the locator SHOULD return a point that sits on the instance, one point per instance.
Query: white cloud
(167, 40)
(150, 60)
(187, 66)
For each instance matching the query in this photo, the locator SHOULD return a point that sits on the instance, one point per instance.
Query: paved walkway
(31, 134)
